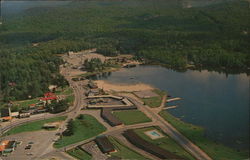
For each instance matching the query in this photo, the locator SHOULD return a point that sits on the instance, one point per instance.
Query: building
(107, 115)
(104, 144)
(7, 146)
(92, 85)
(5, 114)
(51, 125)
(48, 97)
(14, 114)
(24, 114)
(153, 149)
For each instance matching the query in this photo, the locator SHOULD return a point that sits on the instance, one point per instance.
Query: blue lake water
(215, 101)
(11, 8)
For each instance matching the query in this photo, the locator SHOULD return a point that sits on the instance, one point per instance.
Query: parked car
(28, 147)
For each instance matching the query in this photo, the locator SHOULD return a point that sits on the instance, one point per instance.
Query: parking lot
(39, 142)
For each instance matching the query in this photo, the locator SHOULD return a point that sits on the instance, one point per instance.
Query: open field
(26, 103)
(124, 152)
(196, 135)
(79, 154)
(165, 142)
(83, 129)
(33, 126)
(154, 101)
(129, 117)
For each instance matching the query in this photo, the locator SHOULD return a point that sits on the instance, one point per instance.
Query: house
(7, 146)
(48, 97)
(104, 144)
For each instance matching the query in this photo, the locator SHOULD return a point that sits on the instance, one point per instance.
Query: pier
(170, 107)
(173, 99)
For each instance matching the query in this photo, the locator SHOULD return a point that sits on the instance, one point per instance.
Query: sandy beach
(122, 87)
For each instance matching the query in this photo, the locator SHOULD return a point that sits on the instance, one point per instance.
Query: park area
(129, 117)
(152, 99)
(83, 128)
(163, 141)
(34, 126)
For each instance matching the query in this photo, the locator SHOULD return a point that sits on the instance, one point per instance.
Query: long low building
(104, 144)
(136, 140)
(107, 115)
(98, 102)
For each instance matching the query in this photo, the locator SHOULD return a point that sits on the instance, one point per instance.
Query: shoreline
(123, 87)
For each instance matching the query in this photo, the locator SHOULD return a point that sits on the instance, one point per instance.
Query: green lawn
(196, 134)
(129, 117)
(154, 101)
(65, 91)
(70, 99)
(33, 126)
(83, 129)
(124, 152)
(80, 154)
(26, 103)
(166, 142)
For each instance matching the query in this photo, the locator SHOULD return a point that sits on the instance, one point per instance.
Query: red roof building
(49, 96)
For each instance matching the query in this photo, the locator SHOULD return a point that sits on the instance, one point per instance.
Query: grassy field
(196, 134)
(164, 142)
(124, 152)
(26, 103)
(83, 129)
(70, 99)
(79, 154)
(33, 126)
(154, 101)
(129, 117)
(65, 91)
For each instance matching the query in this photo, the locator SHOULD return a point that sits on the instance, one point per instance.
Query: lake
(12, 8)
(212, 100)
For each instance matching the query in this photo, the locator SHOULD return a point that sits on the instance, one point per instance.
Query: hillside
(214, 37)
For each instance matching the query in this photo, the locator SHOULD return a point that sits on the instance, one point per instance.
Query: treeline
(159, 31)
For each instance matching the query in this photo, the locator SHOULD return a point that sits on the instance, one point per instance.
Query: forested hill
(169, 32)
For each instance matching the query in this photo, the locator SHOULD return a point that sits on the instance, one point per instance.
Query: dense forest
(167, 32)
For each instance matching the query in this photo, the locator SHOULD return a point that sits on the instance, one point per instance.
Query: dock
(173, 99)
(170, 107)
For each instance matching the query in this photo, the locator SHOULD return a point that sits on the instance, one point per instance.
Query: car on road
(28, 147)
